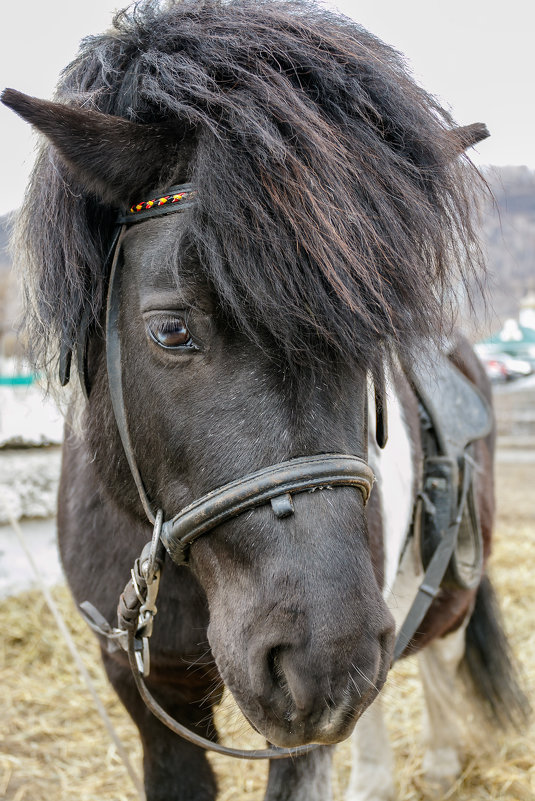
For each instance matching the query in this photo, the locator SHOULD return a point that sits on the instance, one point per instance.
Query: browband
(176, 198)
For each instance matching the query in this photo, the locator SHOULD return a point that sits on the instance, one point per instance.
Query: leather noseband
(275, 484)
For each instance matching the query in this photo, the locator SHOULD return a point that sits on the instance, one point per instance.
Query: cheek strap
(115, 374)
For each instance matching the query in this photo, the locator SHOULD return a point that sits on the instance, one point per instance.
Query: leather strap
(430, 586)
(115, 376)
(270, 484)
(381, 417)
(82, 346)
(176, 198)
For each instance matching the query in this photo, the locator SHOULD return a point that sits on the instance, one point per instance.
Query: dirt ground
(53, 744)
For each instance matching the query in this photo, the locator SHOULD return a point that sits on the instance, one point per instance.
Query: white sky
(477, 56)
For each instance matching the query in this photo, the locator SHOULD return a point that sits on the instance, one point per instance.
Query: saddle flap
(458, 411)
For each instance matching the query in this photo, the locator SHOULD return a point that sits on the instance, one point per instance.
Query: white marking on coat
(394, 470)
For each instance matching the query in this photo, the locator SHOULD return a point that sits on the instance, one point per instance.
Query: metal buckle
(145, 623)
(142, 654)
(148, 608)
(147, 566)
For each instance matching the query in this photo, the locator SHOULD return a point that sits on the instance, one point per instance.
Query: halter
(275, 485)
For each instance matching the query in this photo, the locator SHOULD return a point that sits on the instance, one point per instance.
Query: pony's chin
(337, 728)
(303, 735)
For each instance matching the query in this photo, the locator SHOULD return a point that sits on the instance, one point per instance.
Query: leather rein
(275, 485)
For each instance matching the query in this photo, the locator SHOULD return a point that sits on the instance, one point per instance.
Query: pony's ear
(108, 155)
(469, 135)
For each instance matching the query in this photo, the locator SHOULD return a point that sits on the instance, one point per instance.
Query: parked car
(495, 370)
(503, 367)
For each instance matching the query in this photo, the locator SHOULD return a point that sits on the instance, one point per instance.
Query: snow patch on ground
(27, 417)
(16, 575)
(29, 482)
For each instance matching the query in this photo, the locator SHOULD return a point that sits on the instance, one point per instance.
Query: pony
(326, 231)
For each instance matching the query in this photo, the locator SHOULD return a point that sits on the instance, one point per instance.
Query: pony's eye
(170, 332)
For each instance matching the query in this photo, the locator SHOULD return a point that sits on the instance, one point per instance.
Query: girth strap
(430, 585)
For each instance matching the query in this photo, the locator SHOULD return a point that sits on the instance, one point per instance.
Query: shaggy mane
(334, 213)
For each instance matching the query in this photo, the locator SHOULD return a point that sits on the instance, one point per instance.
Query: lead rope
(56, 614)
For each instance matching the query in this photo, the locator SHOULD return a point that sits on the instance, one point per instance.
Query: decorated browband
(176, 198)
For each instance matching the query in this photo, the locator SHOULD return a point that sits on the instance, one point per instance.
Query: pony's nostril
(276, 672)
(293, 688)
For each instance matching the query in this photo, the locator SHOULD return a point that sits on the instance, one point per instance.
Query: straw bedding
(53, 744)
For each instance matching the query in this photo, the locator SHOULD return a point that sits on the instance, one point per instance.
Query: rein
(275, 485)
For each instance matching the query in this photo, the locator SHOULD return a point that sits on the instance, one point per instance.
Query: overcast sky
(475, 55)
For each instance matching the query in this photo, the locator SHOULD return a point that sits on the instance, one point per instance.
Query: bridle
(275, 485)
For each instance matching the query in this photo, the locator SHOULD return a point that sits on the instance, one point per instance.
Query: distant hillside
(509, 239)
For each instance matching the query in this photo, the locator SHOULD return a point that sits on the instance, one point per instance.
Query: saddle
(453, 415)
(446, 526)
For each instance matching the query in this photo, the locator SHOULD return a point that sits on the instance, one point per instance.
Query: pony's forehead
(151, 243)
(162, 266)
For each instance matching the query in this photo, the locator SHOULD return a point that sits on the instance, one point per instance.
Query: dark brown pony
(332, 217)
